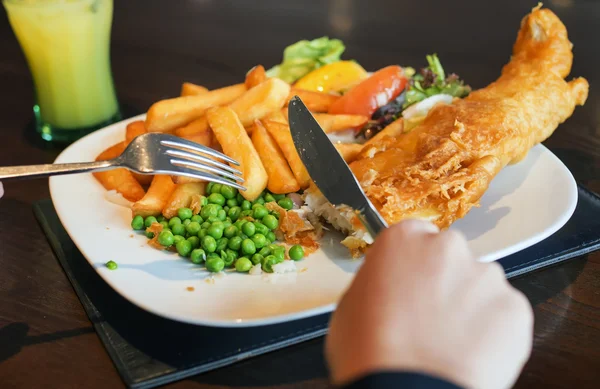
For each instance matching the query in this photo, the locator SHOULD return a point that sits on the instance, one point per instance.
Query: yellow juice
(67, 44)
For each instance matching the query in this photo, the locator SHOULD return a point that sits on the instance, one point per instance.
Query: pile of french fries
(247, 122)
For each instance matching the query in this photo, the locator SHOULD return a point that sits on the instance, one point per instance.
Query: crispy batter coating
(440, 170)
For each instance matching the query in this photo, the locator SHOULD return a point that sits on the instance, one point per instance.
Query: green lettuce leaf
(304, 56)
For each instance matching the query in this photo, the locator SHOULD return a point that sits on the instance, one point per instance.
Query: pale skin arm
(1, 190)
(422, 303)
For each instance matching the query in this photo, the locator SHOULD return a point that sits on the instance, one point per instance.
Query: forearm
(404, 380)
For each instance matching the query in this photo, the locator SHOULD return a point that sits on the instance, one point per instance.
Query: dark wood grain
(159, 44)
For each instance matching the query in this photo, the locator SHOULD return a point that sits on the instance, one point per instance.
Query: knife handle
(372, 220)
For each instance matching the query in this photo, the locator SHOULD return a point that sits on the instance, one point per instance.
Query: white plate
(525, 204)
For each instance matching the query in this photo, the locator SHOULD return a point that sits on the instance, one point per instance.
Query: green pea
(222, 214)
(271, 222)
(249, 229)
(213, 219)
(231, 252)
(230, 231)
(195, 241)
(235, 243)
(149, 221)
(261, 228)
(296, 252)
(286, 203)
(222, 244)
(278, 197)
(209, 187)
(240, 234)
(166, 238)
(184, 213)
(265, 251)
(275, 215)
(197, 219)
(269, 198)
(272, 247)
(167, 229)
(111, 265)
(178, 229)
(205, 225)
(173, 221)
(243, 265)
(193, 228)
(137, 223)
(279, 252)
(260, 201)
(259, 212)
(214, 264)
(234, 213)
(227, 223)
(149, 234)
(161, 218)
(232, 203)
(216, 188)
(203, 201)
(246, 205)
(259, 240)
(209, 244)
(271, 237)
(240, 223)
(226, 208)
(246, 213)
(228, 192)
(228, 258)
(248, 247)
(198, 256)
(216, 198)
(177, 239)
(203, 232)
(212, 255)
(184, 248)
(257, 258)
(239, 198)
(209, 210)
(186, 222)
(216, 231)
(268, 262)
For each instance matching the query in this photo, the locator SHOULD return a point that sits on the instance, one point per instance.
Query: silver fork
(152, 153)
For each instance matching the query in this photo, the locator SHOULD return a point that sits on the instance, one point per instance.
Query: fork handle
(37, 171)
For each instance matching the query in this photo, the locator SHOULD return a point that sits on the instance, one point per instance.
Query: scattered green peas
(286, 203)
(232, 252)
(249, 229)
(193, 228)
(112, 265)
(235, 243)
(166, 238)
(209, 244)
(216, 231)
(184, 213)
(203, 201)
(177, 239)
(259, 212)
(261, 228)
(279, 252)
(228, 192)
(214, 264)
(222, 244)
(239, 198)
(209, 210)
(149, 220)
(173, 221)
(246, 205)
(271, 222)
(216, 198)
(137, 223)
(268, 262)
(149, 234)
(232, 203)
(248, 247)
(227, 223)
(216, 188)
(184, 248)
(243, 265)
(259, 240)
(195, 241)
(178, 229)
(186, 222)
(209, 187)
(240, 223)
(198, 256)
(212, 255)
(197, 219)
(257, 258)
(234, 213)
(161, 218)
(227, 258)
(240, 234)
(246, 213)
(205, 225)
(213, 219)
(167, 229)
(265, 251)
(271, 237)
(260, 201)
(222, 215)
(226, 208)
(278, 197)
(230, 231)
(296, 252)
(269, 197)
(203, 232)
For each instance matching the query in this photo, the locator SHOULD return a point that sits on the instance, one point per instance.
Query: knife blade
(326, 167)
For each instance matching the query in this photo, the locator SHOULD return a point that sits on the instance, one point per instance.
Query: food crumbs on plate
(209, 280)
(190, 288)
(303, 270)
(131, 236)
(107, 228)
(111, 265)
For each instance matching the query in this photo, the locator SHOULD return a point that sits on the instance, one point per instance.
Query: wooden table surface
(157, 45)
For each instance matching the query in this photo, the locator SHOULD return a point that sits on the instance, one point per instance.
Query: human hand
(422, 303)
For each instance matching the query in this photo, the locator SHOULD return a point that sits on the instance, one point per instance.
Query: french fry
(281, 179)
(348, 151)
(120, 179)
(182, 197)
(279, 116)
(169, 114)
(255, 76)
(314, 101)
(156, 198)
(236, 143)
(393, 129)
(281, 133)
(189, 89)
(196, 126)
(133, 130)
(261, 100)
(333, 123)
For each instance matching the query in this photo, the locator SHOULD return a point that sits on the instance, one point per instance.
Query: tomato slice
(376, 91)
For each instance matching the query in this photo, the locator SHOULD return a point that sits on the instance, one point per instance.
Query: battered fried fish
(440, 169)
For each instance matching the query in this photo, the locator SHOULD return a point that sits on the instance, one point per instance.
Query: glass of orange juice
(67, 46)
